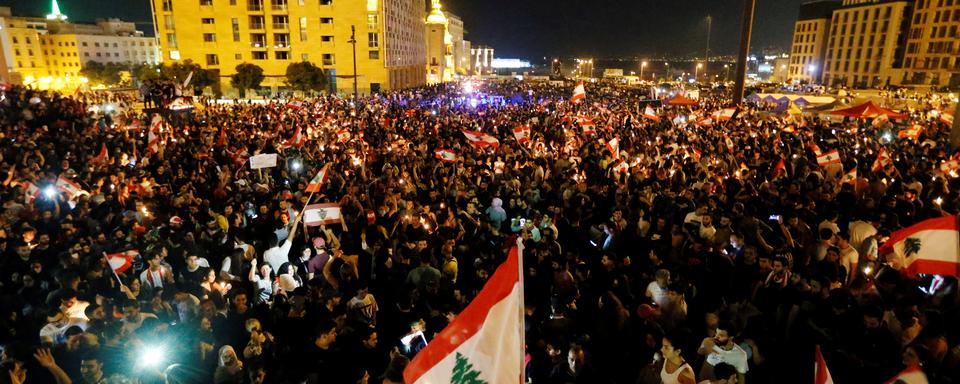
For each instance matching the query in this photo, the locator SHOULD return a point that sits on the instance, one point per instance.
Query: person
(675, 369)
(229, 368)
(657, 289)
(725, 373)
(722, 349)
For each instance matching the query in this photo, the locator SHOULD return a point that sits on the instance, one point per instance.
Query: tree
(146, 72)
(463, 372)
(247, 76)
(305, 77)
(179, 71)
(92, 70)
(106, 74)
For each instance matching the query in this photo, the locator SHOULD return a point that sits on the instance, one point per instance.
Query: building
(810, 41)
(221, 34)
(933, 45)
(866, 42)
(49, 52)
(482, 60)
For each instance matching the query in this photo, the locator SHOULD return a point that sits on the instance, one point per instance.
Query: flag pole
(523, 313)
(111, 269)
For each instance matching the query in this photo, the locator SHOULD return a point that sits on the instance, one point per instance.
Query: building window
(238, 57)
(207, 20)
(327, 59)
(256, 22)
(373, 40)
(326, 39)
(326, 2)
(212, 59)
(282, 55)
(16, 52)
(98, 54)
(326, 20)
(86, 54)
(235, 25)
(303, 29)
(281, 40)
(168, 5)
(168, 22)
(278, 5)
(206, 2)
(209, 37)
(281, 22)
(172, 40)
(27, 39)
(304, 57)
(258, 40)
(29, 52)
(255, 5)
(259, 55)
(374, 55)
(14, 38)
(372, 21)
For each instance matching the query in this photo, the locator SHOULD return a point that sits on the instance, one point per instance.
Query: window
(373, 40)
(114, 45)
(238, 57)
(258, 40)
(374, 55)
(326, 39)
(172, 40)
(206, 2)
(212, 59)
(327, 59)
(207, 20)
(86, 54)
(304, 57)
(256, 22)
(168, 5)
(372, 21)
(326, 2)
(282, 55)
(98, 54)
(281, 22)
(96, 44)
(209, 37)
(116, 54)
(303, 29)
(235, 25)
(326, 20)
(259, 55)
(278, 5)
(27, 39)
(281, 40)
(16, 52)
(29, 52)
(254, 5)
(168, 22)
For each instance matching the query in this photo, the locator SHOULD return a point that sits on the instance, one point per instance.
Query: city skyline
(540, 28)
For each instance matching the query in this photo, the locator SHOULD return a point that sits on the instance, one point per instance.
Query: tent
(868, 110)
(680, 100)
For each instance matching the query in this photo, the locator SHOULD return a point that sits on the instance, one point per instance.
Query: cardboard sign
(263, 161)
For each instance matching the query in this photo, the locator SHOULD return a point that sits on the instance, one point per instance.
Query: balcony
(279, 7)
(283, 26)
(256, 26)
(255, 6)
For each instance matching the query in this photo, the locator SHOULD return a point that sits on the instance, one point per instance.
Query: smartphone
(523, 222)
(774, 217)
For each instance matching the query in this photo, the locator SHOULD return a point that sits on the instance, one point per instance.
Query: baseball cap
(176, 220)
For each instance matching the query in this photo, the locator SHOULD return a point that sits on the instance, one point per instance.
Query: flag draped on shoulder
(579, 93)
(931, 247)
(484, 343)
(479, 139)
(317, 182)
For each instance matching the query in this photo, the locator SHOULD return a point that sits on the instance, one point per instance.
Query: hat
(176, 220)
(318, 242)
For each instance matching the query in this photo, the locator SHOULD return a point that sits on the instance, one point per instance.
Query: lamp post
(697, 73)
(726, 72)
(353, 42)
(643, 65)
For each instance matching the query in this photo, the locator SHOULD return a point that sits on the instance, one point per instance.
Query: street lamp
(642, 66)
(726, 72)
(353, 41)
(697, 73)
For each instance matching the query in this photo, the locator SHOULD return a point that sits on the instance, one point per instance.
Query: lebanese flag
(883, 161)
(320, 214)
(778, 169)
(911, 375)
(815, 148)
(849, 177)
(121, 261)
(480, 140)
(929, 247)
(296, 141)
(579, 93)
(153, 141)
(820, 372)
(832, 157)
(946, 118)
(880, 121)
(484, 343)
(621, 167)
(296, 104)
(222, 141)
(30, 193)
(343, 135)
(705, 122)
(912, 133)
(446, 155)
(614, 147)
(727, 114)
(522, 133)
(317, 181)
(69, 187)
(104, 155)
(649, 113)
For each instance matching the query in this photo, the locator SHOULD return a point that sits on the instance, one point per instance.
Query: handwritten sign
(263, 161)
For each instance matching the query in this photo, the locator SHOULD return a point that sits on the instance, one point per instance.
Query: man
(849, 257)
(279, 254)
(195, 271)
(132, 317)
(722, 349)
(323, 361)
(156, 275)
(91, 369)
(420, 276)
(724, 373)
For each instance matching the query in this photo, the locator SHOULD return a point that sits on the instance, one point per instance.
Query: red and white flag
(911, 375)
(727, 114)
(650, 113)
(929, 247)
(222, 141)
(446, 155)
(820, 372)
(621, 167)
(485, 342)
(480, 140)
(297, 141)
(912, 133)
(522, 133)
(778, 169)
(883, 161)
(30, 192)
(850, 176)
(579, 93)
(121, 261)
(319, 180)
(343, 135)
(153, 141)
(815, 148)
(69, 187)
(880, 121)
(320, 214)
(705, 122)
(614, 147)
(832, 157)
(295, 104)
(104, 155)
(946, 118)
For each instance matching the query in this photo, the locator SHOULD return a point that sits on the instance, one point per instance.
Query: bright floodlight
(888, 137)
(152, 356)
(49, 192)
(295, 165)
(468, 87)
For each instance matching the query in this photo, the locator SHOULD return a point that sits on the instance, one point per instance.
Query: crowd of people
(687, 251)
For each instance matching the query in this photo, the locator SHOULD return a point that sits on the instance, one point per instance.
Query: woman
(675, 369)
(210, 284)
(230, 369)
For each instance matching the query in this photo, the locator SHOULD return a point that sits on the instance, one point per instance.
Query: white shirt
(736, 357)
(658, 294)
(276, 256)
(828, 224)
(860, 231)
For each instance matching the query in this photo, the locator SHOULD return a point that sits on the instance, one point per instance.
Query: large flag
(295, 104)
(317, 181)
(880, 121)
(614, 147)
(850, 176)
(912, 133)
(320, 214)
(446, 155)
(69, 187)
(727, 114)
(820, 372)
(480, 140)
(579, 93)
(153, 141)
(832, 157)
(883, 161)
(484, 343)
(522, 133)
(651, 114)
(121, 261)
(30, 192)
(911, 375)
(815, 148)
(296, 141)
(929, 247)
(778, 169)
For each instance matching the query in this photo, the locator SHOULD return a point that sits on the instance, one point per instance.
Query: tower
(55, 12)
(439, 46)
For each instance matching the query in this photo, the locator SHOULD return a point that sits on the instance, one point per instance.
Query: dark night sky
(535, 28)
